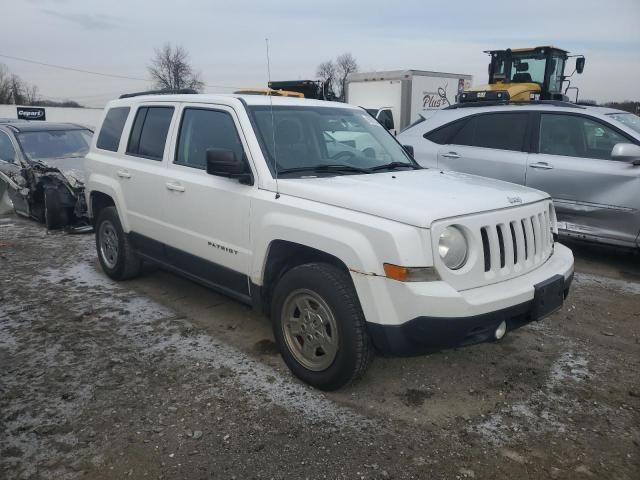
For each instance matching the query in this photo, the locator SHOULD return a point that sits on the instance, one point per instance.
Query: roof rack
(166, 91)
(484, 103)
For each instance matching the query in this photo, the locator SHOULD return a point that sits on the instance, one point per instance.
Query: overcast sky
(226, 39)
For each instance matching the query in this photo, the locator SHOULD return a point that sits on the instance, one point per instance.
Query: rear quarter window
(111, 130)
(443, 135)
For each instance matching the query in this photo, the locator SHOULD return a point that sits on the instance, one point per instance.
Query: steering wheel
(345, 156)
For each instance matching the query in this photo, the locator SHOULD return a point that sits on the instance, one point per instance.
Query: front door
(490, 145)
(594, 195)
(208, 215)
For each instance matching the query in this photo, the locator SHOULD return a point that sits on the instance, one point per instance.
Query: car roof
(434, 119)
(226, 98)
(11, 120)
(37, 126)
(448, 114)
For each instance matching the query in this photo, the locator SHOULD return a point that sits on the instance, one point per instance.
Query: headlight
(553, 222)
(453, 248)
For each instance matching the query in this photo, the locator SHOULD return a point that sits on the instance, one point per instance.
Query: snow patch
(590, 280)
(514, 421)
(147, 324)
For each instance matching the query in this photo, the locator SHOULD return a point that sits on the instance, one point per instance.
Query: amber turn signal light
(410, 274)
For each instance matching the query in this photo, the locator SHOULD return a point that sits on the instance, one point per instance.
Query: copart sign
(31, 113)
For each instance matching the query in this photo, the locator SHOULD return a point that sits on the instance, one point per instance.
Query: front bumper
(407, 319)
(428, 334)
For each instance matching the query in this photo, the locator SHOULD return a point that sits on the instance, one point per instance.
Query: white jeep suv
(269, 201)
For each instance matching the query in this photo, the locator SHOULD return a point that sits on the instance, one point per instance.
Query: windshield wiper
(394, 165)
(325, 169)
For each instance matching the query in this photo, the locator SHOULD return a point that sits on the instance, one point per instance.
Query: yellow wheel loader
(525, 75)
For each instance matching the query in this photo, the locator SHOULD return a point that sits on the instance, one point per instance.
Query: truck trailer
(395, 98)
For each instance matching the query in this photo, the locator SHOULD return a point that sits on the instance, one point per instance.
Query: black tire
(354, 348)
(124, 264)
(55, 216)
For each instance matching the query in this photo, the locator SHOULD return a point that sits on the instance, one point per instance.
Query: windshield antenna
(273, 124)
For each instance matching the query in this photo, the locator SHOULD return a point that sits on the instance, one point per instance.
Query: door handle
(541, 166)
(123, 174)
(175, 187)
(451, 155)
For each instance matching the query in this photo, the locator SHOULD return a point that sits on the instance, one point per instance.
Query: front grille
(503, 244)
(517, 244)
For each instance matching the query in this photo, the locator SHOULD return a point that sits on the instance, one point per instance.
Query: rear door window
(149, 132)
(111, 130)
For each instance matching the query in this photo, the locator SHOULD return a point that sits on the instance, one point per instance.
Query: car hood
(72, 168)
(414, 197)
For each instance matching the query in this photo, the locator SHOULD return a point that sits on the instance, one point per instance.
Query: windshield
(526, 68)
(629, 119)
(325, 137)
(50, 144)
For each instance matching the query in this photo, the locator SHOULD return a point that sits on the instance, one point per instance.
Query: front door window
(577, 136)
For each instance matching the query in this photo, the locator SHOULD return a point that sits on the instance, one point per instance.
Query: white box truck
(396, 97)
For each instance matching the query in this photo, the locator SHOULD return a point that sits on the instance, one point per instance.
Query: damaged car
(42, 172)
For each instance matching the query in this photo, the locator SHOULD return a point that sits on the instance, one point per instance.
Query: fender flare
(108, 186)
(348, 245)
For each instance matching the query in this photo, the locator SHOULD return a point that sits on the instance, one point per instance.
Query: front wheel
(116, 255)
(55, 216)
(319, 326)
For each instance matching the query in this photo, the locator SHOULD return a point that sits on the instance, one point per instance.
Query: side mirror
(626, 152)
(408, 149)
(225, 163)
(580, 64)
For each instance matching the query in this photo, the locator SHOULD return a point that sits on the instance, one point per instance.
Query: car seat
(292, 150)
(523, 77)
(561, 138)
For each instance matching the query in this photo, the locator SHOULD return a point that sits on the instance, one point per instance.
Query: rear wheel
(319, 326)
(116, 255)
(55, 216)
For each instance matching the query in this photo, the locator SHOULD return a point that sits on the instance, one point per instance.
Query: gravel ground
(160, 378)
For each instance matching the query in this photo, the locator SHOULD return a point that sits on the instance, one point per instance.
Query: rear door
(594, 195)
(490, 145)
(142, 171)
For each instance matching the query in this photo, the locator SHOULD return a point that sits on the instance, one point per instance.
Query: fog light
(501, 330)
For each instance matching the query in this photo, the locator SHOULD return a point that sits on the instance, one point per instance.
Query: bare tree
(14, 90)
(327, 72)
(17, 90)
(345, 64)
(170, 68)
(5, 84)
(31, 95)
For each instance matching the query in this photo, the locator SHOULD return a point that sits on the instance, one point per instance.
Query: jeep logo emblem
(514, 200)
